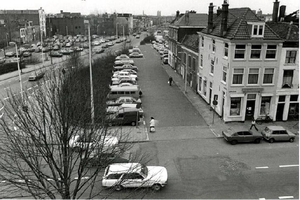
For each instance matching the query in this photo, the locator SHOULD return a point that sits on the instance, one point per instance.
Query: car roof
(124, 167)
(276, 128)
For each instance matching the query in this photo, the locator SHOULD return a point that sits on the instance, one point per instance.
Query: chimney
(281, 13)
(210, 17)
(177, 14)
(219, 11)
(186, 17)
(275, 11)
(224, 18)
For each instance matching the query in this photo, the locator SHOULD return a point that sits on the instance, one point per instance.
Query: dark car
(242, 136)
(55, 54)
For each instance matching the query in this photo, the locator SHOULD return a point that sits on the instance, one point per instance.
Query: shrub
(10, 67)
(142, 42)
(149, 39)
(32, 61)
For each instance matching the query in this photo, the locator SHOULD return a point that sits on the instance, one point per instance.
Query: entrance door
(250, 109)
(210, 93)
(279, 112)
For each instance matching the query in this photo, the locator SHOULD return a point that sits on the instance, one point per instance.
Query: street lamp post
(18, 62)
(91, 74)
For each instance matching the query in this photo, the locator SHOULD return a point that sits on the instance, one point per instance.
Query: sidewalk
(217, 125)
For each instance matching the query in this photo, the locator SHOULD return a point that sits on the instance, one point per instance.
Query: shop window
(194, 64)
(240, 50)
(294, 111)
(281, 99)
(235, 106)
(287, 78)
(253, 76)
(271, 52)
(255, 51)
(290, 56)
(238, 76)
(268, 76)
(226, 50)
(265, 105)
(294, 98)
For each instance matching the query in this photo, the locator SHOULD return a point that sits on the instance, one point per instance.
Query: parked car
(233, 136)
(114, 109)
(82, 142)
(165, 60)
(122, 57)
(122, 100)
(119, 74)
(10, 54)
(125, 116)
(2, 60)
(128, 175)
(99, 50)
(136, 55)
(26, 54)
(277, 133)
(36, 76)
(55, 54)
(66, 51)
(122, 85)
(125, 66)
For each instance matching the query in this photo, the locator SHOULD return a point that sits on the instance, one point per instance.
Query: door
(210, 93)
(279, 112)
(250, 109)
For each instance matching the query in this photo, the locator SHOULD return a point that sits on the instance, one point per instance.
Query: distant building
(158, 13)
(21, 26)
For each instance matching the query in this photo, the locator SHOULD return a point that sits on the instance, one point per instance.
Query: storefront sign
(248, 90)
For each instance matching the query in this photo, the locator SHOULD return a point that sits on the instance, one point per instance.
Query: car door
(284, 135)
(276, 135)
(248, 136)
(240, 136)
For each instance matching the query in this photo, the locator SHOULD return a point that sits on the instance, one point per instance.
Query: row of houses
(247, 66)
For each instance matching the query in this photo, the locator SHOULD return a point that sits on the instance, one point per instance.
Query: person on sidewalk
(152, 125)
(170, 80)
(253, 124)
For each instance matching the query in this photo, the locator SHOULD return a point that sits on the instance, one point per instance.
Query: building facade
(240, 59)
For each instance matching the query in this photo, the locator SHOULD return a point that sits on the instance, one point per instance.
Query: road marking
(286, 197)
(264, 167)
(262, 199)
(288, 165)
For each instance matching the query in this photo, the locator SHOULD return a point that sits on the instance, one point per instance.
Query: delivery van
(116, 92)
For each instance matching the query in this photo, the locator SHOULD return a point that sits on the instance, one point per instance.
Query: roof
(238, 25)
(124, 167)
(285, 30)
(192, 19)
(278, 128)
(191, 41)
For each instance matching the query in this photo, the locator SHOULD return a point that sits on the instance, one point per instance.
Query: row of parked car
(162, 50)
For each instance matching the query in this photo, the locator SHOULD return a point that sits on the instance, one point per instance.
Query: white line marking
(262, 199)
(288, 165)
(286, 197)
(264, 167)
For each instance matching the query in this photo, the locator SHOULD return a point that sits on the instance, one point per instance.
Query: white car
(36, 76)
(129, 175)
(122, 57)
(119, 74)
(136, 55)
(114, 109)
(81, 142)
(122, 100)
(122, 85)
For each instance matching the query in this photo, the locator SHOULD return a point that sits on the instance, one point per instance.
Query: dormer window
(258, 29)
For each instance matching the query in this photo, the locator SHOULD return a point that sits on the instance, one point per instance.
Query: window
(204, 87)
(237, 76)
(184, 58)
(235, 106)
(189, 61)
(287, 78)
(226, 50)
(253, 76)
(265, 105)
(257, 30)
(240, 50)
(194, 64)
(201, 60)
(268, 76)
(271, 52)
(290, 56)
(213, 45)
(202, 41)
(200, 83)
(281, 99)
(255, 51)
(224, 74)
(212, 66)
(114, 176)
(294, 98)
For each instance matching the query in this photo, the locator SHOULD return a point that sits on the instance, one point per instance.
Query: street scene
(195, 105)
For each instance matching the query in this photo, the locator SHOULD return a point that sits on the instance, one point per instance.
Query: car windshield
(144, 170)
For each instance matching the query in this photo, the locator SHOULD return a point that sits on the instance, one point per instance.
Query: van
(124, 116)
(116, 92)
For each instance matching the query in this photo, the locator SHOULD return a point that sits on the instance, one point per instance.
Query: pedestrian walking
(253, 124)
(152, 125)
(170, 80)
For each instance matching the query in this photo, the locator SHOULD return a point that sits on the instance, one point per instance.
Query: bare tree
(36, 154)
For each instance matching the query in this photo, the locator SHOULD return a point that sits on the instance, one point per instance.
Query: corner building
(239, 64)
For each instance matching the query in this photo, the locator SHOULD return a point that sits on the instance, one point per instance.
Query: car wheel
(257, 140)
(156, 187)
(271, 140)
(292, 139)
(118, 187)
(133, 123)
(233, 142)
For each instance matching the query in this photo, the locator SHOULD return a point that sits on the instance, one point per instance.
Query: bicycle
(265, 119)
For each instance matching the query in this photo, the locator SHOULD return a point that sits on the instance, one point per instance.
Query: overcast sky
(150, 7)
